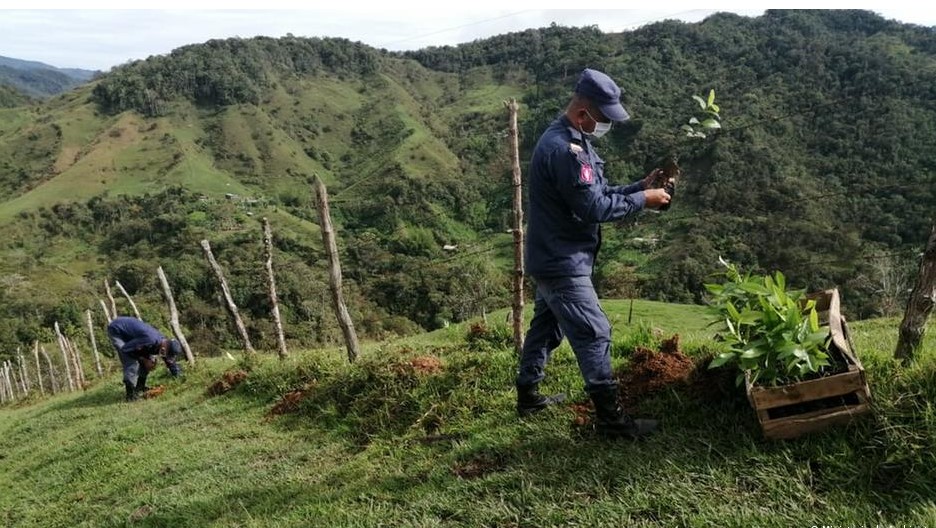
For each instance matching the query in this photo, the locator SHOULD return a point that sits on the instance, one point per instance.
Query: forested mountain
(38, 79)
(824, 169)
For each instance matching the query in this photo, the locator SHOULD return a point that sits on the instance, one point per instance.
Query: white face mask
(600, 128)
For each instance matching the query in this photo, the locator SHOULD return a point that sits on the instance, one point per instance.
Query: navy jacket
(569, 198)
(139, 338)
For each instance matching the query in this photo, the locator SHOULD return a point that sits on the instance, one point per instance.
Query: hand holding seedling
(655, 198)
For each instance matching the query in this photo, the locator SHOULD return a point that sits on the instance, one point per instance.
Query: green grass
(487, 98)
(80, 125)
(423, 154)
(126, 158)
(12, 119)
(352, 454)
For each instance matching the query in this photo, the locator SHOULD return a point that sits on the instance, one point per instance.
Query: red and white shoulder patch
(586, 174)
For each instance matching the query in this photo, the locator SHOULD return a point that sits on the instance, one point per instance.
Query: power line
(664, 17)
(486, 249)
(446, 30)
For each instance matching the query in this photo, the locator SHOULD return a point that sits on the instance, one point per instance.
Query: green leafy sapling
(710, 118)
(771, 332)
(695, 128)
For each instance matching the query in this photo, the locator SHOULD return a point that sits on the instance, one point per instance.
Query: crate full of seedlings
(794, 354)
(798, 407)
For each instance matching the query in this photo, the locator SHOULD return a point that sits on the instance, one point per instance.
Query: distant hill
(824, 169)
(11, 97)
(39, 79)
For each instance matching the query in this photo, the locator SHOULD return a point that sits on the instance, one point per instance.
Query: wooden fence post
(174, 316)
(110, 297)
(97, 358)
(271, 285)
(76, 362)
(8, 380)
(5, 388)
(228, 298)
(17, 380)
(52, 380)
(38, 368)
(22, 381)
(24, 372)
(133, 305)
(517, 306)
(8, 386)
(921, 302)
(334, 271)
(65, 359)
(11, 373)
(107, 315)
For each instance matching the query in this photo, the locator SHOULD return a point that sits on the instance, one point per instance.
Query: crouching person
(140, 346)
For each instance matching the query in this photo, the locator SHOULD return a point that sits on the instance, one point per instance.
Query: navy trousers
(133, 369)
(568, 307)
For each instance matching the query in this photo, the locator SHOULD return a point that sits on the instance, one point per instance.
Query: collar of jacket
(577, 137)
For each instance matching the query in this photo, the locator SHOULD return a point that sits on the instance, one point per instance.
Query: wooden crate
(788, 411)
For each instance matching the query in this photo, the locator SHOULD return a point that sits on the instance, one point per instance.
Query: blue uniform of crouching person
(569, 199)
(139, 347)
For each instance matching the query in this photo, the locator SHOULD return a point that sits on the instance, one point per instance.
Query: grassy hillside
(74, 172)
(399, 439)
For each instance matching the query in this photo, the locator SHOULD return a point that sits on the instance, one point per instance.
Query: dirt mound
(420, 366)
(289, 402)
(648, 372)
(651, 371)
(671, 345)
(426, 365)
(713, 385)
(229, 380)
(154, 392)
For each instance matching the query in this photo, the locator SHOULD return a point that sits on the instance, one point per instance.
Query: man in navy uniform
(569, 198)
(140, 346)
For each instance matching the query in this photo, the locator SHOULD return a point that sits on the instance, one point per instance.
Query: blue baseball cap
(174, 349)
(598, 88)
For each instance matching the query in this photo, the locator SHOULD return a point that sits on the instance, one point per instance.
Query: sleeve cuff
(635, 187)
(640, 200)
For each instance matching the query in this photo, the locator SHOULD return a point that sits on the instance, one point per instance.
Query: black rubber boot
(141, 382)
(530, 401)
(131, 391)
(613, 422)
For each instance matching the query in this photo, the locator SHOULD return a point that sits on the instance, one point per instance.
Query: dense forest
(824, 169)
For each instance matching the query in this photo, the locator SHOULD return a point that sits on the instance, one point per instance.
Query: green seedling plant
(771, 332)
(695, 128)
(710, 119)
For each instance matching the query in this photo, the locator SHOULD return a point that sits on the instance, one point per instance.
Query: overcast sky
(102, 38)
